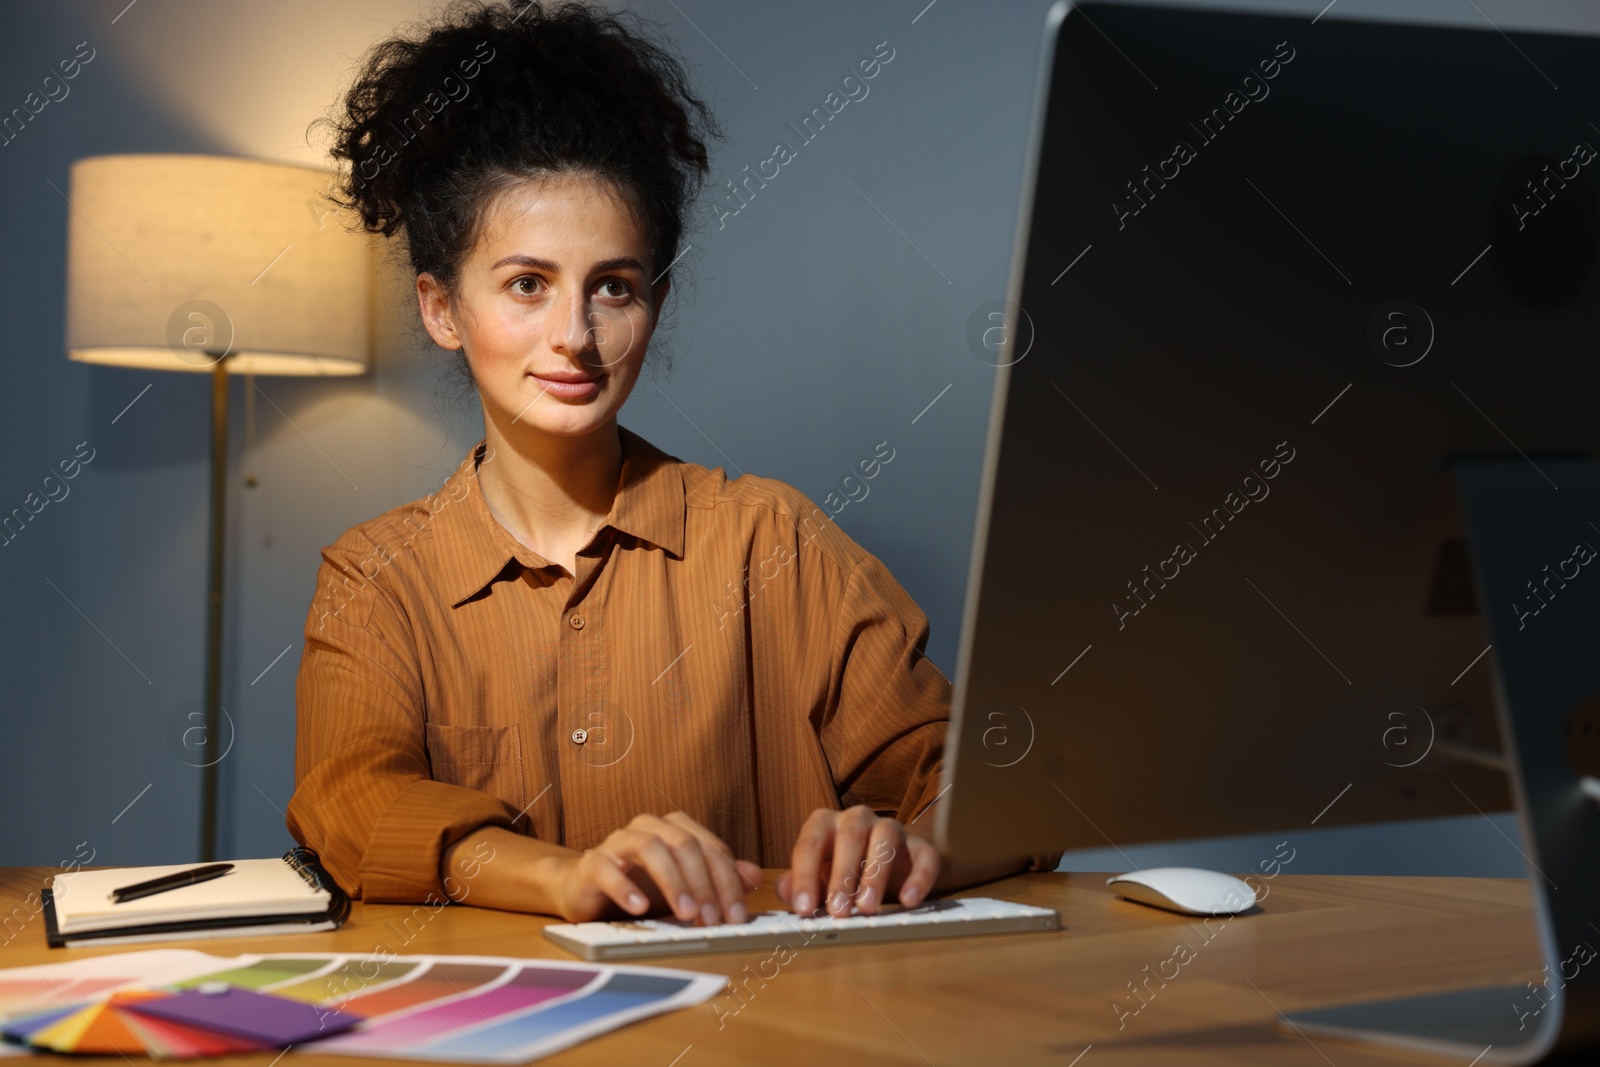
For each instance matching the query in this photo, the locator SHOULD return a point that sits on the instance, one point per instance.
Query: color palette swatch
(210, 1019)
(183, 1004)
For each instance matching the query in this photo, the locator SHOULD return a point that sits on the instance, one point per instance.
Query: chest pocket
(485, 758)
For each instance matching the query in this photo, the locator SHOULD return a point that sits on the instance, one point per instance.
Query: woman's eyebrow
(523, 260)
(619, 261)
(536, 263)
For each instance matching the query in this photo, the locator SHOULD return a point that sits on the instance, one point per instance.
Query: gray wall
(821, 320)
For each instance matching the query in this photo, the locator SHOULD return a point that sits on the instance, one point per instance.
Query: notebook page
(254, 887)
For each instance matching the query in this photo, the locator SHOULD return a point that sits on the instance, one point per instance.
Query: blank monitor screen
(1271, 275)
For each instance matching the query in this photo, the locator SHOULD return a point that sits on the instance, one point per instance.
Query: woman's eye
(616, 287)
(529, 279)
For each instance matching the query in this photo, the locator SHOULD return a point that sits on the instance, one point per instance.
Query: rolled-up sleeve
(888, 713)
(887, 724)
(364, 796)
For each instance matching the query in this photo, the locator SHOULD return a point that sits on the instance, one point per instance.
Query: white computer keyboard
(666, 937)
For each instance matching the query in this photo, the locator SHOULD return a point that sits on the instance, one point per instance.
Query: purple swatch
(248, 1014)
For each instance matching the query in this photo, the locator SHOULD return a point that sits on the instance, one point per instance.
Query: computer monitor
(1289, 498)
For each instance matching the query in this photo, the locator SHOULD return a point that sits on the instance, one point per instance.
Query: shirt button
(579, 736)
(576, 621)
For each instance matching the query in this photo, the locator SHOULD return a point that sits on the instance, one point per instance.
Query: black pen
(169, 881)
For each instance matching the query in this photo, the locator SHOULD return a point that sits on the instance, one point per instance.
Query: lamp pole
(219, 517)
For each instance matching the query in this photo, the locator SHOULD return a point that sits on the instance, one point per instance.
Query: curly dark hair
(437, 125)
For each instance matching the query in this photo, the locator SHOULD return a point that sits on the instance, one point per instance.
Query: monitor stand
(1534, 528)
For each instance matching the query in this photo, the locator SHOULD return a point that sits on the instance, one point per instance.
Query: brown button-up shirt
(724, 649)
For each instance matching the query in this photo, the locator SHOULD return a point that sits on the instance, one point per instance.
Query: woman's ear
(436, 315)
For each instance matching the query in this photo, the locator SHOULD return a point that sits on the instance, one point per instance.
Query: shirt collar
(649, 506)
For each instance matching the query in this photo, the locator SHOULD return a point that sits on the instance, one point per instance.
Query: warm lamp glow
(174, 261)
(222, 265)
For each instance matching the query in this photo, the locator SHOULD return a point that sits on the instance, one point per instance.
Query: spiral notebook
(292, 894)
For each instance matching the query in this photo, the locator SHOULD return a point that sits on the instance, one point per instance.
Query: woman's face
(554, 308)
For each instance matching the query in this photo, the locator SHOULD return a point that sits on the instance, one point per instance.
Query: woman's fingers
(814, 844)
(852, 830)
(730, 887)
(614, 882)
(925, 864)
(700, 893)
(598, 879)
(726, 878)
(671, 860)
(862, 858)
(660, 862)
(696, 899)
(886, 862)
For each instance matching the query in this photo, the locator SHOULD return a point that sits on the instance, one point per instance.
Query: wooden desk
(1008, 999)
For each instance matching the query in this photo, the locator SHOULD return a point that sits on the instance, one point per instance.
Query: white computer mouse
(1186, 889)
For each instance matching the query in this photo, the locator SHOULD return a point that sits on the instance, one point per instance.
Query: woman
(586, 676)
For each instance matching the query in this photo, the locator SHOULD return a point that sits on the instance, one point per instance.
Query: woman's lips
(569, 389)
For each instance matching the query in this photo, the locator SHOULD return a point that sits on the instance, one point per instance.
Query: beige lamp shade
(177, 261)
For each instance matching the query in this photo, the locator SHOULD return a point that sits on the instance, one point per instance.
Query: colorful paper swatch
(433, 980)
(517, 991)
(266, 1018)
(205, 1020)
(182, 1004)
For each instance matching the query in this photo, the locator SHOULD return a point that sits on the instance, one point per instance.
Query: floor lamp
(214, 265)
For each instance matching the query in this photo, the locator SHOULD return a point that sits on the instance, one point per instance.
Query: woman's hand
(861, 858)
(661, 863)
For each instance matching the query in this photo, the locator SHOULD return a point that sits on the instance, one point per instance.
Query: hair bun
(437, 123)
